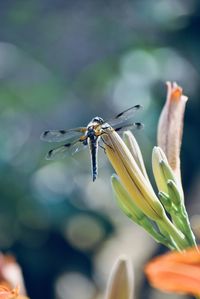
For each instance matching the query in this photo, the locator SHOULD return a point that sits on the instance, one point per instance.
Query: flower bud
(170, 126)
(121, 281)
(163, 172)
(125, 202)
(135, 151)
(131, 176)
(174, 193)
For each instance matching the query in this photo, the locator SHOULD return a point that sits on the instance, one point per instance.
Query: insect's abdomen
(93, 148)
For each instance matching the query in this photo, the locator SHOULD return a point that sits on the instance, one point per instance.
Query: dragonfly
(78, 138)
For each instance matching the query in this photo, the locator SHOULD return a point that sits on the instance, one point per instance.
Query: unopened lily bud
(135, 151)
(120, 284)
(157, 158)
(164, 198)
(138, 188)
(170, 126)
(163, 172)
(174, 193)
(131, 176)
(131, 210)
(125, 202)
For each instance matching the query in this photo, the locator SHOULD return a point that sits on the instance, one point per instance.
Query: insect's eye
(95, 119)
(98, 119)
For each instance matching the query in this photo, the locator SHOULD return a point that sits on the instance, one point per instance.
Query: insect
(78, 138)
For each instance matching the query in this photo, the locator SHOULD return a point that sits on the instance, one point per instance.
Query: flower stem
(175, 234)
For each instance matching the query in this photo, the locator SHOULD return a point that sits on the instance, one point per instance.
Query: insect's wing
(120, 129)
(63, 135)
(123, 117)
(64, 150)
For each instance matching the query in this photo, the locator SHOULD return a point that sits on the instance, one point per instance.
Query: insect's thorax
(92, 134)
(94, 128)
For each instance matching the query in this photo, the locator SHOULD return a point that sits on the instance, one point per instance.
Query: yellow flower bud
(125, 201)
(135, 151)
(137, 186)
(131, 176)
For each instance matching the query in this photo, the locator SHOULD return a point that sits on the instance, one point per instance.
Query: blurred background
(61, 63)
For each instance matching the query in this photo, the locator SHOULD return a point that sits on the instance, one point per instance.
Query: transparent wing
(64, 150)
(63, 135)
(123, 116)
(122, 128)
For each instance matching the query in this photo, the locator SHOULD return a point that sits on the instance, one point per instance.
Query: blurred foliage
(61, 63)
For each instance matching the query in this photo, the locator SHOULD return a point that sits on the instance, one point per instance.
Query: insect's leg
(101, 146)
(84, 140)
(105, 144)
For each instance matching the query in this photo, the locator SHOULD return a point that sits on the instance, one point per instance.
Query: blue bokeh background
(62, 63)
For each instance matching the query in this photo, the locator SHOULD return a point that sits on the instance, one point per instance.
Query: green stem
(187, 227)
(180, 222)
(175, 234)
(163, 231)
(158, 237)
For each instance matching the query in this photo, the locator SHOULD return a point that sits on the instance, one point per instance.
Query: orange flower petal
(176, 93)
(7, 293)
(176, 272)
(191, 256)
(10, 273)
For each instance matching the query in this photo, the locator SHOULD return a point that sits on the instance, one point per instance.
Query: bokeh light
(73, 286)
(84, 232)
(61, 64)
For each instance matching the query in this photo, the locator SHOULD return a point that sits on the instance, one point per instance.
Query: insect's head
(97, 120)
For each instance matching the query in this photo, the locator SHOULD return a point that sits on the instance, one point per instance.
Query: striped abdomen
(93, 144)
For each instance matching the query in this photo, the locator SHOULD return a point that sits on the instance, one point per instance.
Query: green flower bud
(174, 193)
